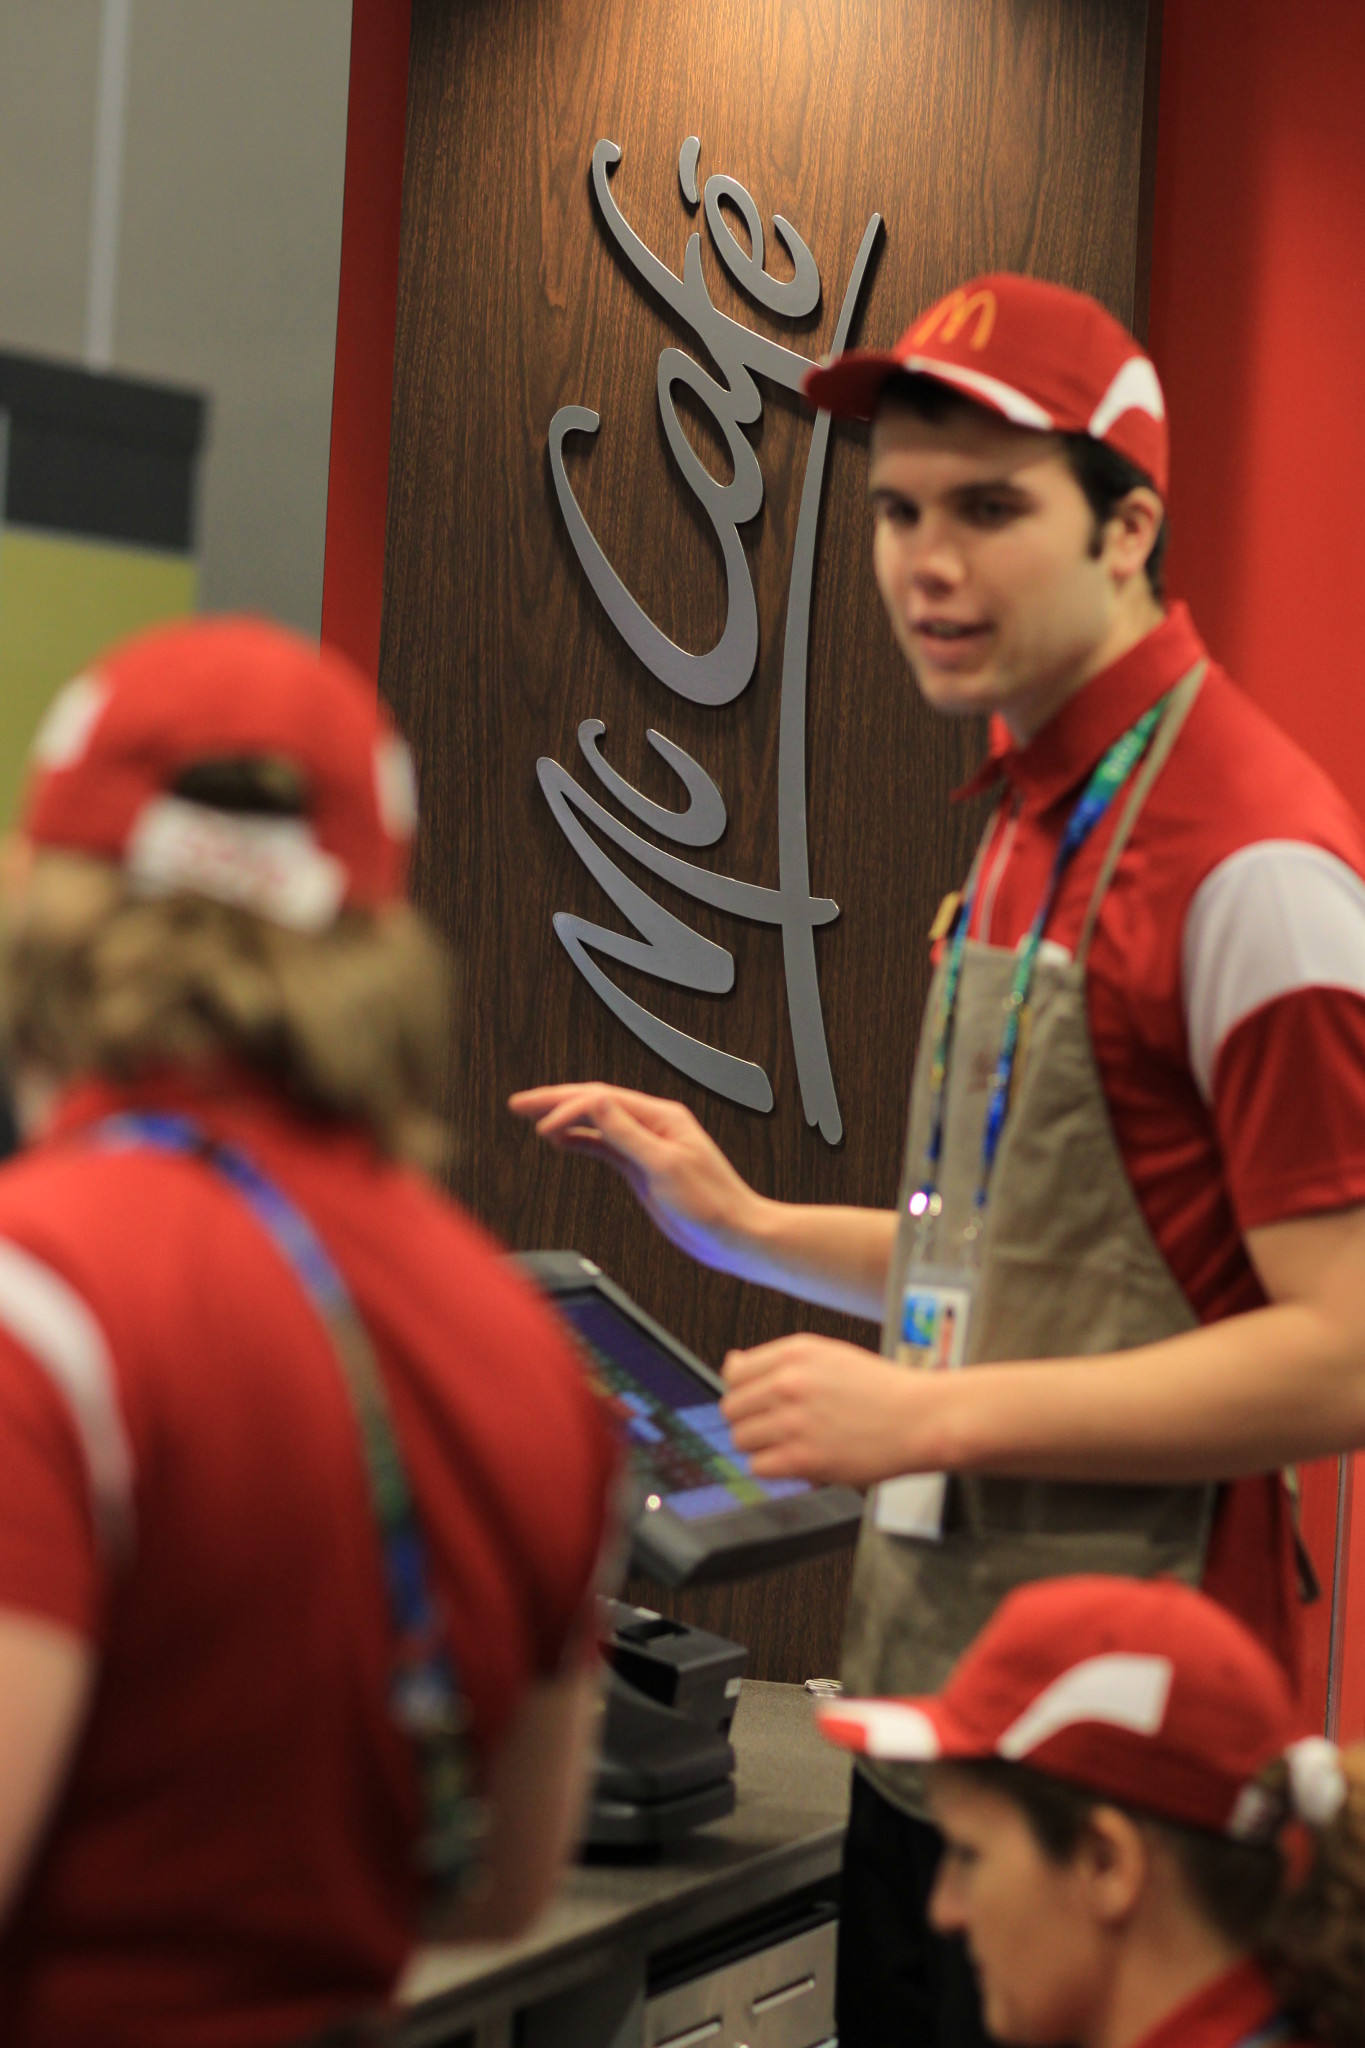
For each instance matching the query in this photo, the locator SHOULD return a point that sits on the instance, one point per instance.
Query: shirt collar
(1074, 740)
(224, 1095)
(1225, 2013)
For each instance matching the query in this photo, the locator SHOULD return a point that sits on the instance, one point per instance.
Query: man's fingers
(620, 1135)
(775, 1387)
(776, 1447)
(656, 1111)
(741, 1367)
(583, 1139)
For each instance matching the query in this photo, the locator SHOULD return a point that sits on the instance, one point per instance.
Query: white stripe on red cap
(1135, 388)
(60, 1332)
(271, 866)
(1271, 919)
(1016, 405)
(71, 717)
(882, 1728)
(1119, 1690)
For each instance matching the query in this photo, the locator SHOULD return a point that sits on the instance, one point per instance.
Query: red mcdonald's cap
(1038, 354)
(1141, 1691)
(111, 772)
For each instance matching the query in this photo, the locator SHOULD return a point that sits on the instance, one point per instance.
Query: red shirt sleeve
(49, 1564)
(1289, 1105)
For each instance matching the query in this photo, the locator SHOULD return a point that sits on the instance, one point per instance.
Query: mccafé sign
(658, 943)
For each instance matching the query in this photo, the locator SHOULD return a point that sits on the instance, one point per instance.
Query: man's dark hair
(1105, 476)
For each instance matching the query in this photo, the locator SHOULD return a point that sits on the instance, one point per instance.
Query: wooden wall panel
(988, 133)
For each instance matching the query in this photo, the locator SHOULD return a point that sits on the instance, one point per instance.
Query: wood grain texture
(989, 133)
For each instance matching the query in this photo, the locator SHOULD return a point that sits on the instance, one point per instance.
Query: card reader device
(665, 1764)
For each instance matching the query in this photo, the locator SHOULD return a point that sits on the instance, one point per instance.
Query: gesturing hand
(678, 1174)
(811, 1408)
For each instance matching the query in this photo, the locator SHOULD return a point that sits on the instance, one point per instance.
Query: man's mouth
(949, 629)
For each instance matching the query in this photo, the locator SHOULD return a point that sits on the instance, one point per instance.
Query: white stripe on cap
(888, 1728)
(1016, 406)
(49, 1320)
(1269, 920)
(1119, 1690)
(272, 866)
(1135, 388)
(64, 734)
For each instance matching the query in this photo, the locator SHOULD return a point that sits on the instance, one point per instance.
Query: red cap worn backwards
(111, 772)
(1140, 1691)
(1040, 355)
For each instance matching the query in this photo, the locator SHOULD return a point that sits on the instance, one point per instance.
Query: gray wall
(228, 243)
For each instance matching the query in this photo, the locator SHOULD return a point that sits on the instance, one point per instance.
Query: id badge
(936, 1313)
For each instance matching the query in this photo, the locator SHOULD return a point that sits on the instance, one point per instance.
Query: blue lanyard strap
(1099, 793)
(424, 1692)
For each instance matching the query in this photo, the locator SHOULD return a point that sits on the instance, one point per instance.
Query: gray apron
(1067, 1268)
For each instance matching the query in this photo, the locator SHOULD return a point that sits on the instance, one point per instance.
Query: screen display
(680, 1439)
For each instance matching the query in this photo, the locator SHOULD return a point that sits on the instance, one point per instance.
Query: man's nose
(934, 564)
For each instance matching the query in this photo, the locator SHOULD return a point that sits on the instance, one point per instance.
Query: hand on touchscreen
(812, 1408)
(678, 1174)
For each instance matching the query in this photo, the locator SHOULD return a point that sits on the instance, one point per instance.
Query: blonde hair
(351, 1022)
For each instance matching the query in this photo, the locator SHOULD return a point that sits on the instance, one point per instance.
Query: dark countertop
(786, 1832)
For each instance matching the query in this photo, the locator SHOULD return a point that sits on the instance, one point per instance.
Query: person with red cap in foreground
(1141, 1844)
(305, 1495)
(1133, 1197)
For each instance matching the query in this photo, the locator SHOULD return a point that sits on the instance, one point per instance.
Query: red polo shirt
(1227, 1000)
(1235, 2010)
(231, 1859)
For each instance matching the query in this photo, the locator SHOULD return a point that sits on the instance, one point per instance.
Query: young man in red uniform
(1137, 1132)
(304, 1492)
(1142, 1847)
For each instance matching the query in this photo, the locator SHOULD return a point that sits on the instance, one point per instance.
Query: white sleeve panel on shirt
(1270, 919)
(50, 1322)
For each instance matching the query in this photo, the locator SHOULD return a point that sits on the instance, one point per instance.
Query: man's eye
(894, 512)
(991, 511)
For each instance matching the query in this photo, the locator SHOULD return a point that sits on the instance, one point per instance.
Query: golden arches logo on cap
(1041, 355)
(948, 318)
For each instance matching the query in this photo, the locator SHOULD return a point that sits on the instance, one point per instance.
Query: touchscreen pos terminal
(666, 1765)
(703, 1516)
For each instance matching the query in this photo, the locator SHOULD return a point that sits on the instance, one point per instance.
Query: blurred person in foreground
(304, 1493)
(1141, 1846)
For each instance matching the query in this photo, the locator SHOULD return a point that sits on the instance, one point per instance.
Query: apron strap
(1167, 733)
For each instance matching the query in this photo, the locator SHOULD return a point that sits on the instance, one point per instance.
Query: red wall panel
(367, 308)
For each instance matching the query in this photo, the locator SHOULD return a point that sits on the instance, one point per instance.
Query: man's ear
(1130, 532)
(1114, 1861)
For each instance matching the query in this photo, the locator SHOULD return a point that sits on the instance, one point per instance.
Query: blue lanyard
(424, 1690)
(1099, 793)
